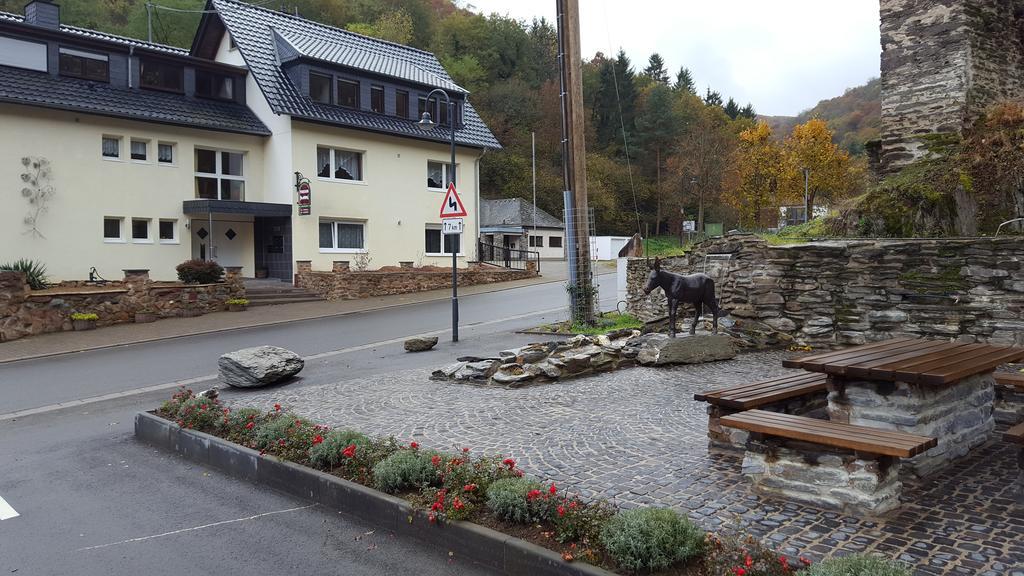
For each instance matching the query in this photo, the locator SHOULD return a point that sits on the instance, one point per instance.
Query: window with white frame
(338, 164)
(140, 230)
(23, 54)
(139, 150)
(437, 175)
(219, 175)
(342, 236)
(168, 231)
(113, 229)
(555, 242)
(435, 241)
(165, 153)
(112, 147)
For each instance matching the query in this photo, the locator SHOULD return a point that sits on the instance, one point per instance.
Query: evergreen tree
(684, 81)
(748, 112)
(712, 98)
(656, 69)
(616, 92)
(732, 109)
(658, 126)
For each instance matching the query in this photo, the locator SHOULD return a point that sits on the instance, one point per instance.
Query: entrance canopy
(258, 209)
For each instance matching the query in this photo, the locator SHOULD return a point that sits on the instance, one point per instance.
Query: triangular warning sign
(452, 206)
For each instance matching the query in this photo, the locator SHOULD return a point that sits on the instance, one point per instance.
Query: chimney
(42, 13)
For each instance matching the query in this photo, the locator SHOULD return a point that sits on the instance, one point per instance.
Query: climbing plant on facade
(37, 190)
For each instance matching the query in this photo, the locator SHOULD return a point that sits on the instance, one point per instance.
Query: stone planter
(144, 317)
(80, 325)
(237, 307)
(191, 312)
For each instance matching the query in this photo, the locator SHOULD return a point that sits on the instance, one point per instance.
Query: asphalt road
(92, 501)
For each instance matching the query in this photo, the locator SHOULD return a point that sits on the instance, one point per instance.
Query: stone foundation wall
(1009, 405)
(346, 284)
(838, 293)
(821, 477)
(24, 312)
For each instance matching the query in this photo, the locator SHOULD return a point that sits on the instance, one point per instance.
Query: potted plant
(237, 304)
(81, 321)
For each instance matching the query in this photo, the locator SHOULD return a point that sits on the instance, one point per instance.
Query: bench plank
(1015, 379)
(906, 349)
(765, 392)
(827, 433)
(825, 357)
(1015, 434)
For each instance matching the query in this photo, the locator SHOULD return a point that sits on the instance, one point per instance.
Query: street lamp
(427, 124)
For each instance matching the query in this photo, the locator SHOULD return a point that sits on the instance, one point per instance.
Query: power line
(622, 124)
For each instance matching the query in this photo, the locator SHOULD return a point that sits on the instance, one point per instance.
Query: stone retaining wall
(849, 292)
(345, 284)
(24, 312)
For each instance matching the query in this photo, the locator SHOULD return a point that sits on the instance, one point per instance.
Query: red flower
(432, 517)
(805, 561)
(519, 473)
(280, 442)
(298, 422)
(317, 439)
(532, 494)
(739, 571)
(277, 407)
(349, 452)
(250, 425)
(748, 561)
(414, 445)
(435, 460)
(469, 487)
(553, 490)
(573, 504)
(436, 506)
(465, 450)
(457, 504)
(509, 462)
(561, 511)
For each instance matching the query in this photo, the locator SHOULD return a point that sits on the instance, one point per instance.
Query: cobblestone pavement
(637, 437)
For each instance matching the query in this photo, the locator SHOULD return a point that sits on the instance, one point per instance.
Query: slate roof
(514, 212)
(40, 89)
(256, 30)
(97, 35)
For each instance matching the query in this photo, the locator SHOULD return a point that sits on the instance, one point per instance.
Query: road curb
(480, 544)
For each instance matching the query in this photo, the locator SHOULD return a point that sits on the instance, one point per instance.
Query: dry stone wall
(831, 294)
(346, 284)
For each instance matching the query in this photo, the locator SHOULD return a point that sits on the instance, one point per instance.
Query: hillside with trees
(854, 118)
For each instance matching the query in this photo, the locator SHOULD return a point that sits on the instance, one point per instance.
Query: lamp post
(807, 176)
(427, 124)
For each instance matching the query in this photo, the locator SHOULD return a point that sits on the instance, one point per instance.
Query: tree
(831, 176)
(705, 153)
(657, 127)
(748, 112)
(656, 69)
(393, 26)
(614, 103)
(732, 109)
(684, 81)
(761, 165)
(712, 98)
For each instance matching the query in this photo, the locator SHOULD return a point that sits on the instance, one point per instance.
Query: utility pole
(533, 164)
(807, 176)
(574, 160)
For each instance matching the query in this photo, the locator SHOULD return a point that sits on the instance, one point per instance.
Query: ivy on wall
(37, 191)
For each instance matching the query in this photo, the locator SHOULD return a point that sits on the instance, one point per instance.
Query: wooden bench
(851, 468)
(1014, 379)
(1015, 435)
(1008, 407)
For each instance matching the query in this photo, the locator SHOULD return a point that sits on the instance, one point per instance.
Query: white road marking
(6, 512)
(183, 530)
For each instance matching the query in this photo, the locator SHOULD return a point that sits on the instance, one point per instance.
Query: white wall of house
(88, 187)
(606, 247)
(546, 250)
(391, 201)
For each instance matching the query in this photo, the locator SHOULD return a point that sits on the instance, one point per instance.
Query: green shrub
(84, 316)
(35, 272)
(858, 565)
(277, 427)
(238, 428)
(199, 271)
(327, 454)
(237, 302)
(509, 499)
(196, 412)
(404, 469)
(651, 538)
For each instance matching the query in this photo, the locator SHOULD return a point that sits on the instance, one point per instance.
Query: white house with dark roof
(153, 154)
(515, 224)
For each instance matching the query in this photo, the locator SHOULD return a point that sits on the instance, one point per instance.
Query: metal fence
(505, 256)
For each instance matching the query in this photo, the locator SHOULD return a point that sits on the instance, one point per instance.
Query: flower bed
(490, 491)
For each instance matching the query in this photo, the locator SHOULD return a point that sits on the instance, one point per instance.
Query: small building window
(442, 117)
(165, 153)
(162, 76)
(341, 235)
(139, 150)
(214, 85)
(320, 88)
(23, 54)
(140, 230)
(348, 93)
(434, 240)
(219, 175)
(377, 99)
(401, 104)
(85, 65)
(112, 147)
(112, 229)
(555, 242)
(339, 164)
(422, 107)
(168, 231)
(437, 175)
(536, 241)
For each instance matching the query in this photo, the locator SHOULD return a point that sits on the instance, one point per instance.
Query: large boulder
(686, 349)
(259, 366)
(420, 344)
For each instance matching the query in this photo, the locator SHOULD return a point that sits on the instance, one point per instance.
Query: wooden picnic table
(926, 387)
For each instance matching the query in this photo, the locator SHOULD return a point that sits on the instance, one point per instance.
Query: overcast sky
(783, 56)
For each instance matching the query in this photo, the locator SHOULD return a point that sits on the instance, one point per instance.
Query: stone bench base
(1020, 478)
(725, 438)
(1008, 407)
(824, 477)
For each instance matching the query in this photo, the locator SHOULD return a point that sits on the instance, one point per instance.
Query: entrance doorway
(227, 243)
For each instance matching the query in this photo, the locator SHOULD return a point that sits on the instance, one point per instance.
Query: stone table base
(1009, 405)
(958, 415)
(823, 477)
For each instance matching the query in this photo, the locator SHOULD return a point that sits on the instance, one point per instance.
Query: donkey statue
(696, 289)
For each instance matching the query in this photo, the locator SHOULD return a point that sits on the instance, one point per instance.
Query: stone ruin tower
(943, 63)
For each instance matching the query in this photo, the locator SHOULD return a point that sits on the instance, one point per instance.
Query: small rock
(447, 372)
(259, 366)
(420, 344)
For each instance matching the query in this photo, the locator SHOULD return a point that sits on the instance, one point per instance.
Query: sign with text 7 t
(452, 206)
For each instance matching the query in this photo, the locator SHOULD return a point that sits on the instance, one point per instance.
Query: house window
(422, 107)
(85, 65)
(139, 150)
(342, 236)
(555, 242)
(162, 76)
(442, 117)
(348, 93)
(320, 88)
(339, 164)
(165, 153)
(140, 230)
(437, 175)
(168, 231)
(536, 241)
(23, 54)
(434, 239)
(219, 175)
(401, 103)
(214, 85)
(112, 147)
(377, 99)
(112, 229)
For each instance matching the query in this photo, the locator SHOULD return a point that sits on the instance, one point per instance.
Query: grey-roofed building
(512, 223)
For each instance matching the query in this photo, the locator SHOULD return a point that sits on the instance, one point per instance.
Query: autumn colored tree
(831, 174)
(393, 26)
(761, 165)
